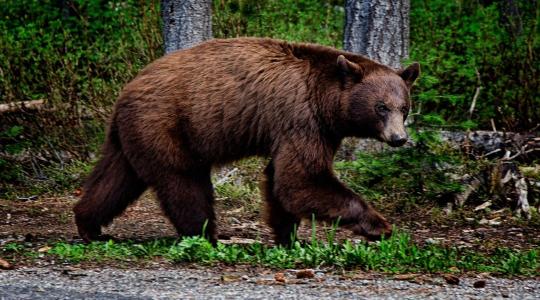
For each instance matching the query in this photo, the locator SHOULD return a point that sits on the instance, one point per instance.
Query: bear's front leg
(310, 189)
(282, 222)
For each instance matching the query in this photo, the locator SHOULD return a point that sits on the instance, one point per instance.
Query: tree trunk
(378, 29)
(185, 23)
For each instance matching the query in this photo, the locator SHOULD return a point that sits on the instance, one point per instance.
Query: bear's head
(376, 100)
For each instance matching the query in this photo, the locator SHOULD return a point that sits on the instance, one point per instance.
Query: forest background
(77, 57)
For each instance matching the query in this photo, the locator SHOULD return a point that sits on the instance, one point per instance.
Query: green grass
(397, 254)
(237, 185)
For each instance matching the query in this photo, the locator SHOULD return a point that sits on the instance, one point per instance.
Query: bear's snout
(397, 140)
(394, 133)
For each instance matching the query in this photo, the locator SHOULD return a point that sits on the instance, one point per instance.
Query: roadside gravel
(161, 283)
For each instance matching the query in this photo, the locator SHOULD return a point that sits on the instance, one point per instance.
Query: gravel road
(110, 283)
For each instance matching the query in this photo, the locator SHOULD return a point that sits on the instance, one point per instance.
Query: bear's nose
(397, 140)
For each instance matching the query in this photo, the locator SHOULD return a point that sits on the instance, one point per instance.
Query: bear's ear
(410, 74)
(347, 67)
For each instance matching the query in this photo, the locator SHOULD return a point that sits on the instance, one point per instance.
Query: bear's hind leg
(187, 200)
(111, 187)
(282, 222)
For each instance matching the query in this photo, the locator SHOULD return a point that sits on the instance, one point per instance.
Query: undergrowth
(422, 173)
(236, 186)
(76, 56)
(314, 21)
(398, 254)
(463, 46)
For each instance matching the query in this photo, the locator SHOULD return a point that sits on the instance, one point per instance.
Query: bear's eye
(405, 110)
(381, 109)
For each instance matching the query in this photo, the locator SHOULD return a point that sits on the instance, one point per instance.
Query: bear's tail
(110, 188)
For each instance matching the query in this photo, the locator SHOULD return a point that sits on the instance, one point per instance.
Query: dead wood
(21, 106)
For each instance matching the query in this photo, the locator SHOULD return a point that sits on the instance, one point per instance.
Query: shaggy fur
(228, 99)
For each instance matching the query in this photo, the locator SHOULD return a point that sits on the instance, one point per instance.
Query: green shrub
(463, 45)
(417, 174)
(77, 55)
(77, 52)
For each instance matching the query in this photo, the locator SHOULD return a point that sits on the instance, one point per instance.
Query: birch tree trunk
(378, 29)
(185, 23)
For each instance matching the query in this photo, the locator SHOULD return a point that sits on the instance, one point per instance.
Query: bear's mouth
(397, 143)
(394, 140)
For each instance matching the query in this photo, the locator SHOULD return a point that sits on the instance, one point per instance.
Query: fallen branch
(522, 203)
(473, 104)
(21, 105)
(476, 93)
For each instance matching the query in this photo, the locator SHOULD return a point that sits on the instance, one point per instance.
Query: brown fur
(228, 99)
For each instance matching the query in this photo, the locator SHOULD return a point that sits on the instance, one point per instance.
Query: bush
(74, 51)
(77, 55)
(463, 45)
(419, 174)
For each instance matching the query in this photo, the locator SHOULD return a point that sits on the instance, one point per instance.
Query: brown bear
(227, 99)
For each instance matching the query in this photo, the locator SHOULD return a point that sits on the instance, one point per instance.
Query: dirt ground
(48, 219)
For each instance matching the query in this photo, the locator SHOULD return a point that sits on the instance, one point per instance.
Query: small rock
(498, 212)
(483, 206)
(223, 237)
(44, 249)
(29, 237)
(479, 284)
(264, 281)
(230, 278)
(307, 273)
(5, 265)
(405, 276)
(280, 277)
(434, 241)
(451, 279)
(73, 272)
(494, 222)
(237, 240)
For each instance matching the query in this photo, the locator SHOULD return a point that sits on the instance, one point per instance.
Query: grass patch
(237, 185)
(397, 254)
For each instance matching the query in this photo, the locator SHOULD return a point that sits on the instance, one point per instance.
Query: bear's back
(225, 98)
